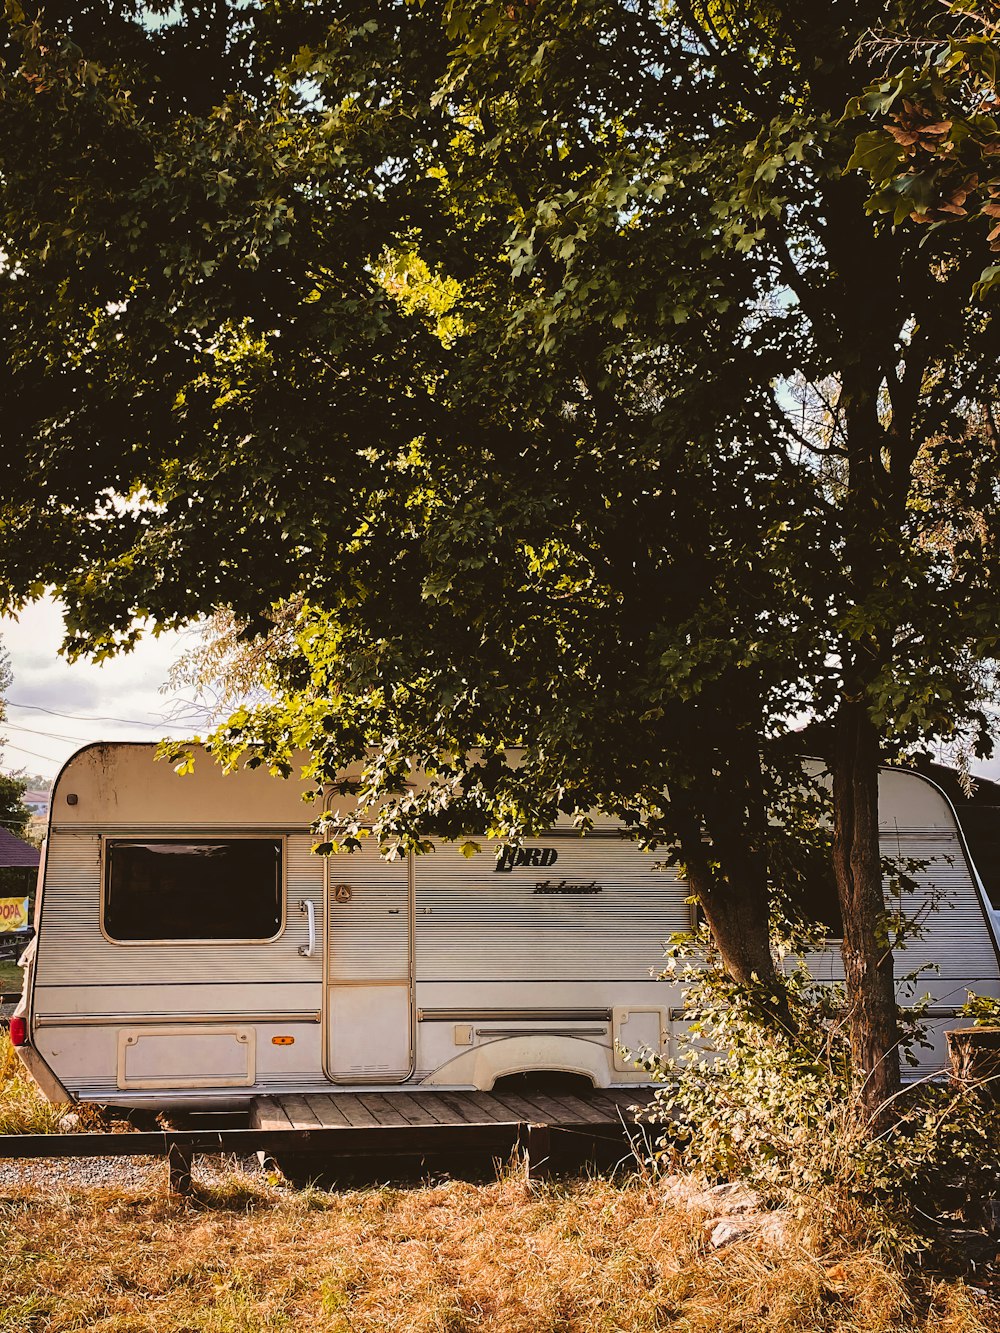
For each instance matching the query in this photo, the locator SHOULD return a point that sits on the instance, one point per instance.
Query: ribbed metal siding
(474, 923)
(72, 950)
(368, 936)
(956, 940)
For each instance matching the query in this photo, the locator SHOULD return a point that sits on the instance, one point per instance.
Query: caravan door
(369, 968)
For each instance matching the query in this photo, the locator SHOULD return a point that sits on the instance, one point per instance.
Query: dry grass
(588, 1256)
(584, 1257)
(11, 977)
(23, 1109)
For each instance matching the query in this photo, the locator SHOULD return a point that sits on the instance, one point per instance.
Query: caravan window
(198, 889)
(818, 901)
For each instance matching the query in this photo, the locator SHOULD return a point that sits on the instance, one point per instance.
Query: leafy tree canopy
(544, 358)
(14, 814)
(933, 155)
(523, 305)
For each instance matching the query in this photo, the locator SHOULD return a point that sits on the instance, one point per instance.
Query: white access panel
(193, 1057)
(370, 1032)
(638, 1030)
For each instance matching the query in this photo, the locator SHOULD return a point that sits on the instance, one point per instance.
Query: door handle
(308, 910)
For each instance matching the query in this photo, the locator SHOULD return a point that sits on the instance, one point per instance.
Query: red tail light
(19, 1031)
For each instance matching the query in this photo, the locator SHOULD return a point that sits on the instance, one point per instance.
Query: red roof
(14, 852)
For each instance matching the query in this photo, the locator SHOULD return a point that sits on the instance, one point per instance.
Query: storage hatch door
(369, 974)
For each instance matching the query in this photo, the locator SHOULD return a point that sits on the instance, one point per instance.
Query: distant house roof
(15, 852)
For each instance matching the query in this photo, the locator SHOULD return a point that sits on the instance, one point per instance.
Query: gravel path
(55, 1174)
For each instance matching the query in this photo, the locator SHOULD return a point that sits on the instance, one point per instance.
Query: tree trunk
(868, 964)
(729, 873)
(738, 920)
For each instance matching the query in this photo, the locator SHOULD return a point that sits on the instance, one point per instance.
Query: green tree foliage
(783, 1111)
(544, 358)
(933, 155)
(14, 814)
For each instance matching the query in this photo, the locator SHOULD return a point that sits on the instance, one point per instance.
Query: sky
(54, 707)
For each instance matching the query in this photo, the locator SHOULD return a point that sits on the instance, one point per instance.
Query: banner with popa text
(13, 914)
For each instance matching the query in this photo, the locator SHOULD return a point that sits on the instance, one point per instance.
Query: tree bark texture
(725, 859)
(868, 962)
(737, 916)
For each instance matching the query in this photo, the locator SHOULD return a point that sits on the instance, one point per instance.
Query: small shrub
(984, 1010)
(774, 1102)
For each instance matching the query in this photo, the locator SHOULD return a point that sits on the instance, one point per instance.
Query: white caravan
(192, 951)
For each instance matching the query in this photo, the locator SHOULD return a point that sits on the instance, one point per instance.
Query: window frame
(197, 835)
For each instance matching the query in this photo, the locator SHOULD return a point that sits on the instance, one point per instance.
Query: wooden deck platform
(372, 1110)
(415, 1122)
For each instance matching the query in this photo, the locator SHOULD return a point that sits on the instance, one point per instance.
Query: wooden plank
(569, 1110)
(432, 1104)
(478, 1108)
(447, 1108)
(341, 1110)
(280, 1117)
(513, 1108)
(563, 1108)
(384, 1140)
(623, 1098)
(423, 1107)
(597, 1110)
(327, 1107)
(626, 1096)
(382, 1108)
(268, 1113)
(574, 1109)
(475, 1108)
(544, 1107)
(519, 1107)
(410, 1108)
(300, 1113)
(498, 1107)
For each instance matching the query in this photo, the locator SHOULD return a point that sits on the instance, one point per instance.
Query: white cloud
(114, 700)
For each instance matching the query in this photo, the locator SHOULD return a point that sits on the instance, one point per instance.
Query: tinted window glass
(817, 899)
(197, 890)
(803, 874)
